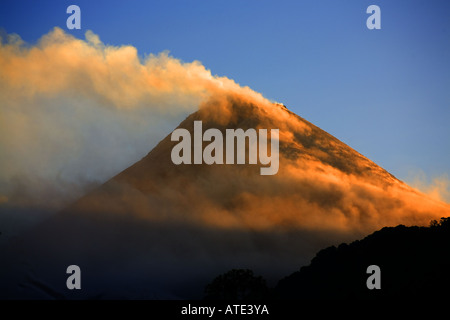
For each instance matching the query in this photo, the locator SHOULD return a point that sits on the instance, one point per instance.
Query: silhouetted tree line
(237, 284)
(414, 263)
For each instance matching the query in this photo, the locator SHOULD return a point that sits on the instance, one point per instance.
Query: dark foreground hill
(414, 263)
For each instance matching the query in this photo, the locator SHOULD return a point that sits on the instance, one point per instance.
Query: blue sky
(386, 93)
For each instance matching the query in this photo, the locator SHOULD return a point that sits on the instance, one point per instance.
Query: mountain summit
(162, 230)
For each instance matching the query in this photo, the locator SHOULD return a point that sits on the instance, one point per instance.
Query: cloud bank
(75, 112)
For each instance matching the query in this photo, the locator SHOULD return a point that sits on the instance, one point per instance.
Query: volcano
(163, 230)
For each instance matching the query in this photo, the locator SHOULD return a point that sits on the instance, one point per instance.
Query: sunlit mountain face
(321, 183)
(162, 230)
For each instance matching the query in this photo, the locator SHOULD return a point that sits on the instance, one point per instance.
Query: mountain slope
(321, 182)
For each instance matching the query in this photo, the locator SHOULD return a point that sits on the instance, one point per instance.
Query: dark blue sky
(386, 93)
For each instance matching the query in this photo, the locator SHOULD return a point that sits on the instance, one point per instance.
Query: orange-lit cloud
(78, 111)
(111, 76)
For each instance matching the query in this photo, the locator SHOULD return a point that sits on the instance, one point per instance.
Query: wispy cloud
(437, 187)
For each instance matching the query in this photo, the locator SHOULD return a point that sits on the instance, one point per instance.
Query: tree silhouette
(237, 284)
(443, 223)
(414, 262)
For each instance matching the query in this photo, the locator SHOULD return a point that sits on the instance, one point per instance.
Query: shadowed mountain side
(161, 230)
(414, 263)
